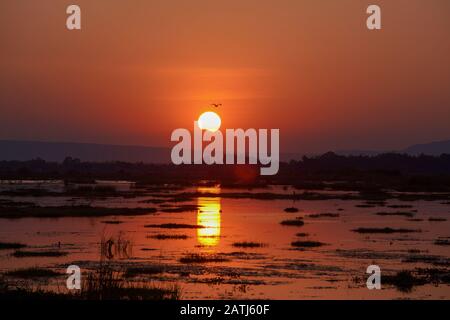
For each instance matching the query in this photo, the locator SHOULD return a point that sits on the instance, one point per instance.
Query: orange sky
(139, 69)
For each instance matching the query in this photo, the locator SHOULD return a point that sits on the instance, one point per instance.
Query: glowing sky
(139, 69)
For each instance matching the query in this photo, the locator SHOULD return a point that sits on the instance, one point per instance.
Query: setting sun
(209, 121)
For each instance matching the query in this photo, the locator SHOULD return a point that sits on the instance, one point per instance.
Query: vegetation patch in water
(442, 242)
(37, 254)
(31, 273)
(180, 209)
(295, 223)
(202, 258)
(105, 283)
(397, 213)
(11, 245)
(384, 230)
(146, 270)
(302, 234)
(323, 215)
(436, 219)
(70, 211)
(247, 244)
(365, 206)
(400, 206)
(403, 280)
(174, 226)
(112, 222)
(168, 237)
(307, 244)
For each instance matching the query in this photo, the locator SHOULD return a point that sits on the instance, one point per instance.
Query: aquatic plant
(36, 254)
(168, 236)
(296, 223)
(174, 226)
(11, 245)
(248, 244)
(307, 244)
(33, 272)
(384, 230)
(202, 258)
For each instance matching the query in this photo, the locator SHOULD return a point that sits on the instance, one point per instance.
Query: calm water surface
(277, 270)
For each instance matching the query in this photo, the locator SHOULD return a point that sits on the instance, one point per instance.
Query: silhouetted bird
(216, 104)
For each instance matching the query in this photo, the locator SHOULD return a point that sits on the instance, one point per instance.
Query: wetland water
(216, 247)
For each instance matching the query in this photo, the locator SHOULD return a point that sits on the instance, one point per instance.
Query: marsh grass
(116, 247)
(102, 283)
(291, 210)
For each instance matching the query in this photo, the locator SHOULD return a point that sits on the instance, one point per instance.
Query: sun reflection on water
(208, 215)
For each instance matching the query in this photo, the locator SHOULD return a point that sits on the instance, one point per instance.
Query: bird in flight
(216, 105)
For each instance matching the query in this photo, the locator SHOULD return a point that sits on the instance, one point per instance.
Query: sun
(209, 121)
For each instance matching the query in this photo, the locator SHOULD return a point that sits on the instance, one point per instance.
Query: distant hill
(358, 152)
(433, 148)
(58, 151)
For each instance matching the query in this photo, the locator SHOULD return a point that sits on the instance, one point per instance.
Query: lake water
(275, 270)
